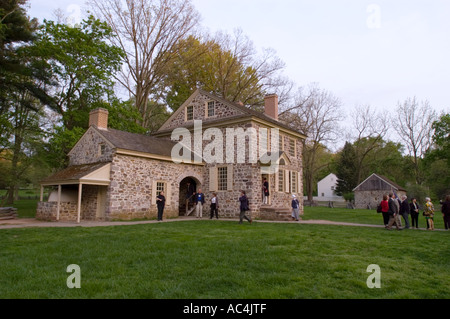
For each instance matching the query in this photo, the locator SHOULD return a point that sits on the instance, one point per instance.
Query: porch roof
(93, 174)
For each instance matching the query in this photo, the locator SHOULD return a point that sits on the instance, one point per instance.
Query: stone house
(211, 143)
(370, 192)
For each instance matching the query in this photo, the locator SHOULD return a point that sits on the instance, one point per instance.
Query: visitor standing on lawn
(161, 203)
(393, 212)
(244, 207)
(295, 208)
(385, 209)
(429, 213)
(446, 212)
(414, 211)
(199, 201)
(404, 210)
(214, 206)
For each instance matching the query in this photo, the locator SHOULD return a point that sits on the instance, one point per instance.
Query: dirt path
(31, 222)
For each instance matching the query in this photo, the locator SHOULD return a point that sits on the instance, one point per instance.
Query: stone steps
(274, 213)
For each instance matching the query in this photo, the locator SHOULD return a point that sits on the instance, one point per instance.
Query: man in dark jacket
(393, 212)
(404, 210)
(243, 207)
(446, 212)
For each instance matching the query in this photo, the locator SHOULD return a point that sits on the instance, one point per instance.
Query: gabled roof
(393, 185)
(138, 142)
(245, 113)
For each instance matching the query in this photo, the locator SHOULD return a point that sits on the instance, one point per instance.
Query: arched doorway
(188, 187)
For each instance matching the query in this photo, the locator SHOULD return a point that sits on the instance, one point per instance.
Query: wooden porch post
(80, 190)
(58, 209)
(42, 194)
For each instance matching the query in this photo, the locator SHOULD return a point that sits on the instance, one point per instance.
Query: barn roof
(384, 183)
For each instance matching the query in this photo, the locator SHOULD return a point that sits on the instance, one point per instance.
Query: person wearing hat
(295, 208)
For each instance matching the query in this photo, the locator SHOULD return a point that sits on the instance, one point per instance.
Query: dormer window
(189, 113)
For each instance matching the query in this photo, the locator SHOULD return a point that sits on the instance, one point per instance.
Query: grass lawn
(221, 259)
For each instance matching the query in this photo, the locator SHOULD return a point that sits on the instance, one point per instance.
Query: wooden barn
(369, 193)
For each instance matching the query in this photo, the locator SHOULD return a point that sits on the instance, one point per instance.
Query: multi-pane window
(281, 180)
(211, 109)
(292, 147)
(101, 149)
(160, 187)
(294, 182)
(189, 113)
(280, 143)
(222, 178)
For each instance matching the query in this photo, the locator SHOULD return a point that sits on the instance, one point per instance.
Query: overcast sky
(365, 52)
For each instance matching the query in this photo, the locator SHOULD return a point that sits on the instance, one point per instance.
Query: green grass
(221, 259)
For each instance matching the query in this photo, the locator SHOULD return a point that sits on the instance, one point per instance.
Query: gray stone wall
(132, 189)
(87, 150)
(47, 211)
(200, 112)
(365, 198)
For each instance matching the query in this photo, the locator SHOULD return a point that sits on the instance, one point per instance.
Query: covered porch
(78, 192)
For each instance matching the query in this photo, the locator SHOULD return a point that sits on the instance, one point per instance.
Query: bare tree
(371, 127)
(415, 129)
(148, 31)
(316, 113)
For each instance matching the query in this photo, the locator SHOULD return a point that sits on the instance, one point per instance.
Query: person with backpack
(244, 206)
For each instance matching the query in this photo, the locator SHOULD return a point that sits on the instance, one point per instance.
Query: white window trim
(167, 191)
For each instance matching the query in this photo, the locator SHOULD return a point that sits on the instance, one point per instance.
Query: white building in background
(326, 188)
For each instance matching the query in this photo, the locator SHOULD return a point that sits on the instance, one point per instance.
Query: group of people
(392, 208)
(199, 201)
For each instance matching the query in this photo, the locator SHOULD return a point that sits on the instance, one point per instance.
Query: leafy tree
(17, 31)
(437, 161)
(227, 66)
(82, 62)
(441, 138)
(347, 178)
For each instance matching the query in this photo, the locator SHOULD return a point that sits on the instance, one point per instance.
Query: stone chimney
(99, 118)
(271, 106)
